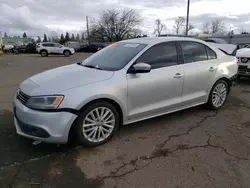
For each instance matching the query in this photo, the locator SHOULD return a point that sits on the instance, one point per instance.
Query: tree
(62, 39)
(78, 37)
(67, 37)
(159, 27)
(5, 35)
(190, 27)
(206, 27)
(179, 24)
(49, 39)
(24, 35)
(72, 37)
(243, 31)
(83, 37)
(45, 38)
(38, 39)
(114, 25)
(217, 27)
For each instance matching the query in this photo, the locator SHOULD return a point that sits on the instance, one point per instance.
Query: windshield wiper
(92, 66)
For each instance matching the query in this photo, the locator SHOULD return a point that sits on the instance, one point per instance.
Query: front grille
(22, 97)
(245, 60)
(243, 70)
(242, 67)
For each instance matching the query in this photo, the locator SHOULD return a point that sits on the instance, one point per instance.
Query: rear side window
(193, 52)
(161, 55)
(211, 54)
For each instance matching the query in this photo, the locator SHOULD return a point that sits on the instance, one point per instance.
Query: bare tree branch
(206, 27)
(159, 27)
(179, 24)
(217, 27)
(115, 25)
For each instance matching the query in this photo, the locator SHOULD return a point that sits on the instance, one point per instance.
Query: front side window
(114, 56)
(193, 52)
(160, 55)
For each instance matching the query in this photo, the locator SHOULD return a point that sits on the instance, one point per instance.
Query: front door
(158, 91)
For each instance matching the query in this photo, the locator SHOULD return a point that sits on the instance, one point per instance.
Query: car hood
(63, 78)
(244, 52)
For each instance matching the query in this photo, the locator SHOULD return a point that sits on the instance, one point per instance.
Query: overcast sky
(49, 16)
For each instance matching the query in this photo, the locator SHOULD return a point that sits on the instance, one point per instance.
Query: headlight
(44, 102)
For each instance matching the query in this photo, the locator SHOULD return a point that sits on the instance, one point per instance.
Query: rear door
(200, 65)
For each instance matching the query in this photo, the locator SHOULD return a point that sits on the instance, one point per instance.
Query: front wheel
(97, 123)
(218, 95)
(44, 53)
(66, 53)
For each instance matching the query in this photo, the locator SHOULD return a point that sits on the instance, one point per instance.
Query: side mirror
(140, 68)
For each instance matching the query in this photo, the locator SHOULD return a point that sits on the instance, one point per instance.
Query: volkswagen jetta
(128, 81)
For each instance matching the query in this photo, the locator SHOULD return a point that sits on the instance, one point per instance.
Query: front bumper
(52, 127)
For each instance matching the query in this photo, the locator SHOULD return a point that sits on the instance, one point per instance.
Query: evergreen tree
(45, 38)
(83, 37)
(62, 39)
(67, 37)
(72, 37)
(24, 35)
(78, 37)
(38, 39)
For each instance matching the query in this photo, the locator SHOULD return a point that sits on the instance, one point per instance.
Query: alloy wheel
(219, 95)
(98, 124)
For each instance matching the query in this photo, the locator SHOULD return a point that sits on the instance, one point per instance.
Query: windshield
(114, 56)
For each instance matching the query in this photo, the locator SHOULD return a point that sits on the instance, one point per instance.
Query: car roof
(156, 40)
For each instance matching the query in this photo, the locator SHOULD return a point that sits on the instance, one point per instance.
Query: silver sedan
(126, 82)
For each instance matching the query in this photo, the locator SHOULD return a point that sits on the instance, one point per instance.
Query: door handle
(178, 75)
(211, 69)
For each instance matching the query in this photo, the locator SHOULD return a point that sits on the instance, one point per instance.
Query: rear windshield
(114, 56)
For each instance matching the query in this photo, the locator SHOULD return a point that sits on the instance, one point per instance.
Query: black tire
(209, 103)
(44, 53)
(85, 111)
(66, 53)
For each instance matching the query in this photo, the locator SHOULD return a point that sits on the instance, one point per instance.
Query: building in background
(15, 41)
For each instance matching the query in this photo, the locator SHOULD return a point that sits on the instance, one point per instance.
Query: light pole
(187, 19)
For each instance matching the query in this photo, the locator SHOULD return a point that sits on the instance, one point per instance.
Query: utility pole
(87, 21)
(187, 20)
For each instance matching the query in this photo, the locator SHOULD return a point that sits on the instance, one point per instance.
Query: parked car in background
(72, 44)
(91, 48)
(126, 82)
(47, 48)
(29, 48)
(244, 57)
(215, 40)
(229, 49)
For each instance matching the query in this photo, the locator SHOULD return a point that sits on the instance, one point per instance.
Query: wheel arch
(66, 50)
(226, 79)
(115, 103)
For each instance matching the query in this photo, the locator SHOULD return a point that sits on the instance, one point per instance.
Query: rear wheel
(66, 53)
(97, 123)
(44, 53)
(218, 95)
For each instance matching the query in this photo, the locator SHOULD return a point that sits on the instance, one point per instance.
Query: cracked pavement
(191, 148)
